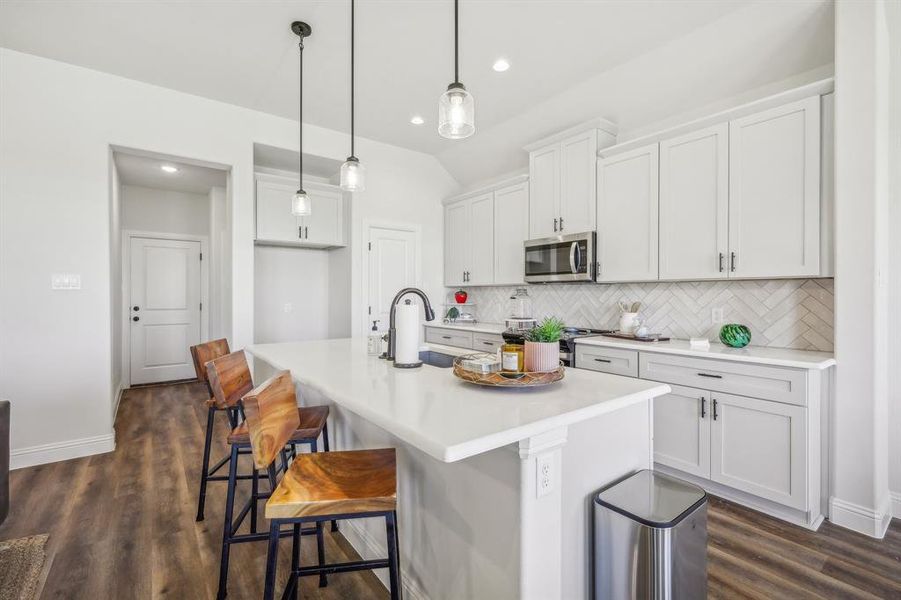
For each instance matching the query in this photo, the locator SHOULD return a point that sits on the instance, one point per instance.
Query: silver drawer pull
(603, 360)
(710, 375)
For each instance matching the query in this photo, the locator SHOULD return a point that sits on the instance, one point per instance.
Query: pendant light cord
(456, 44)
(300, 114)
(352, 55)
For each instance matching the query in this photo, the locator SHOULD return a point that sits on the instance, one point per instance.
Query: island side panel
(597, 452)
(458, 522)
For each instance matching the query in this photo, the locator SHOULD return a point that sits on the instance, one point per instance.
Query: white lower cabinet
(682, 430)
(760, 447)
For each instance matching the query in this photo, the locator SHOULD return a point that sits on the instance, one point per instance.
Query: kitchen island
(494, 485)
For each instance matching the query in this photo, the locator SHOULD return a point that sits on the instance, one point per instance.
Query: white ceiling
(244, 53)
(146, 171)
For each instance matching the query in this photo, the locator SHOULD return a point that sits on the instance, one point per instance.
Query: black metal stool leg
(227, 529)
(320, 551)
(204, 472)
(393, 558)
(254, 492)
(271, 561)
(295, 563)
(325, 446)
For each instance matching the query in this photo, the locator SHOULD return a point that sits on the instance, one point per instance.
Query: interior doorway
(394, 263)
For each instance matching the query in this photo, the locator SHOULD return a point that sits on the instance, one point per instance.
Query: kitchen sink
(437, 359)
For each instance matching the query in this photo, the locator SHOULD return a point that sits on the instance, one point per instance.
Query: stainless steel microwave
(561, 258)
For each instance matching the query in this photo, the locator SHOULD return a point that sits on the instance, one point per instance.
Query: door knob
(135, 308)
(136, 318)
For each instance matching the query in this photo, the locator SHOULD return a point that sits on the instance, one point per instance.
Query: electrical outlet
(545, 475)
(716, 315)
(65, 281)
(289, 308)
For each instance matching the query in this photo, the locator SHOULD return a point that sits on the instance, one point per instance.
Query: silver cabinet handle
(732, 264)
(555, 225)
(722, 256)
(561, 223)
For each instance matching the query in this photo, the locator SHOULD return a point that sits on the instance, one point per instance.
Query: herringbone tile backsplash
(796, 313)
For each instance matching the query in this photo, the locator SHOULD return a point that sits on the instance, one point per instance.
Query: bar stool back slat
(229, 378)
(272, 417)
(204, 353)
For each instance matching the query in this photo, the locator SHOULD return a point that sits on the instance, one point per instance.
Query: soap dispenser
(375, 340)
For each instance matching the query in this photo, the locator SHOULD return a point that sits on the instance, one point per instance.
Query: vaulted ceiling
(244, 53)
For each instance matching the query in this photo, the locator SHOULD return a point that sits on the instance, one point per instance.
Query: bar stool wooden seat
(202, 354)
(230, 380)
(319, 487)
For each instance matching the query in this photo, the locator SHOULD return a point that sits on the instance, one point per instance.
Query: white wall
(292, 294)
(165, 211)
(860, 492)
(115, 264)
(220, 277)
(61, 119)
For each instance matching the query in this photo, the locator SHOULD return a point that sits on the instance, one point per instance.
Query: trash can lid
(653, 499)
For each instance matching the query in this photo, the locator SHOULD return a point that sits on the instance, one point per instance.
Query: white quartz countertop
(780, 357)
(497, 328)
(445, 417)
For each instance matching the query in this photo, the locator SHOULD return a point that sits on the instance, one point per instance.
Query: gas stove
(567, 342)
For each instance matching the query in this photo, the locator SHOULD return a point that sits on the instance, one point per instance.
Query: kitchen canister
(735, 335)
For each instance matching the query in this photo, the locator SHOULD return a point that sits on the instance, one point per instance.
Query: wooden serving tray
(510, 380)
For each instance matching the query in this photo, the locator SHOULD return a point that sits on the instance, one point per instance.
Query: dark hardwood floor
(122, 526)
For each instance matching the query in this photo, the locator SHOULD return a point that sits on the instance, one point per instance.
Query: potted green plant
(542, 351)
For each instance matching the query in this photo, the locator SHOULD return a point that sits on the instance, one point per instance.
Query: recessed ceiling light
(169, 169)
(417, 120)
(501, 65)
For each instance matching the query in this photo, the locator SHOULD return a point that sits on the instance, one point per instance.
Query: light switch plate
(716, 315)
(65, 281)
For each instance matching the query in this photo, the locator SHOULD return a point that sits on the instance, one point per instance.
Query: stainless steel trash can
(650, 539)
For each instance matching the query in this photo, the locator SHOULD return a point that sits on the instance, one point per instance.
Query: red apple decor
(460, 296)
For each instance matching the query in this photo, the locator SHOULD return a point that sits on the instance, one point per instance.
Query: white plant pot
(541, 357)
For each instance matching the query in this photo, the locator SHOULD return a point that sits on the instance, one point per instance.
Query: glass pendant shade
(301, 205)
(353, 175)
(456, 113)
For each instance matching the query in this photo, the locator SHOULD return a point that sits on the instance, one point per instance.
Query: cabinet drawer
(486, 342)
(607, 360)
(461, 339)
(769, 383)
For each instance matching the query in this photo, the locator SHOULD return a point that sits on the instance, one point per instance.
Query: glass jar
(521, 304)
(512, 358)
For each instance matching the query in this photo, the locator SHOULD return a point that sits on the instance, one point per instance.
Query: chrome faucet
(392, 330)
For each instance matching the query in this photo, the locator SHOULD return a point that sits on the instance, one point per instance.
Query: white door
(164, 308)
(694, 204)
(323, 226)
(759, 447)
(480, 267)
(774, 192)
(544, 192)
(682, 430)
(627, 216)
(511, 229)
(392, 267)
(456, 243)
(275, 223)
(578, 192)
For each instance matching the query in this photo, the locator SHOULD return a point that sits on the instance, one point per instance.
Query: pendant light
(353, 174)
(456, 109)
(300, 204)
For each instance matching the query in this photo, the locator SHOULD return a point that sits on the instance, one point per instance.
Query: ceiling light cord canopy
(301, 206)
(353, 174)
(456, 108)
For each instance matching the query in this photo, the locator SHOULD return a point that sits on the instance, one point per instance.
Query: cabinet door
(578, 191)
(544, 192)
(774, 192)
(511, 229)
(694, 204)
(456, 242)
(323, 226)
(480, 266)
(275, 223)
(627, 216)
(760, 447)
(682, 430)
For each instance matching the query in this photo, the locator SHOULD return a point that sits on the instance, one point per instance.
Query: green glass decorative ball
(735, 335)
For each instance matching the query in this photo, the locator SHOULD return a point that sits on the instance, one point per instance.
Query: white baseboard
(367, 547)
(896, 504)
(862, 519)
(48, 453)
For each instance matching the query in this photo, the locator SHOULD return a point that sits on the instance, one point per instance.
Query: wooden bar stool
(229, 378)
(318, 488)
(202, 354)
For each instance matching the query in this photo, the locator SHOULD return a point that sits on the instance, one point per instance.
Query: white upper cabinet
(774, 192)
(627, 207)
(544, 192)
(578, 197)
(694, 204)
(456, 242)
(275, 224)
(511, 229)
(480, 266)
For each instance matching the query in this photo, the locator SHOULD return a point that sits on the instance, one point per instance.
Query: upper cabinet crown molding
(602, 126)
(497, 185)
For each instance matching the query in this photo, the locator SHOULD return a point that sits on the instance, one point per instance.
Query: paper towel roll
(406, 347)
